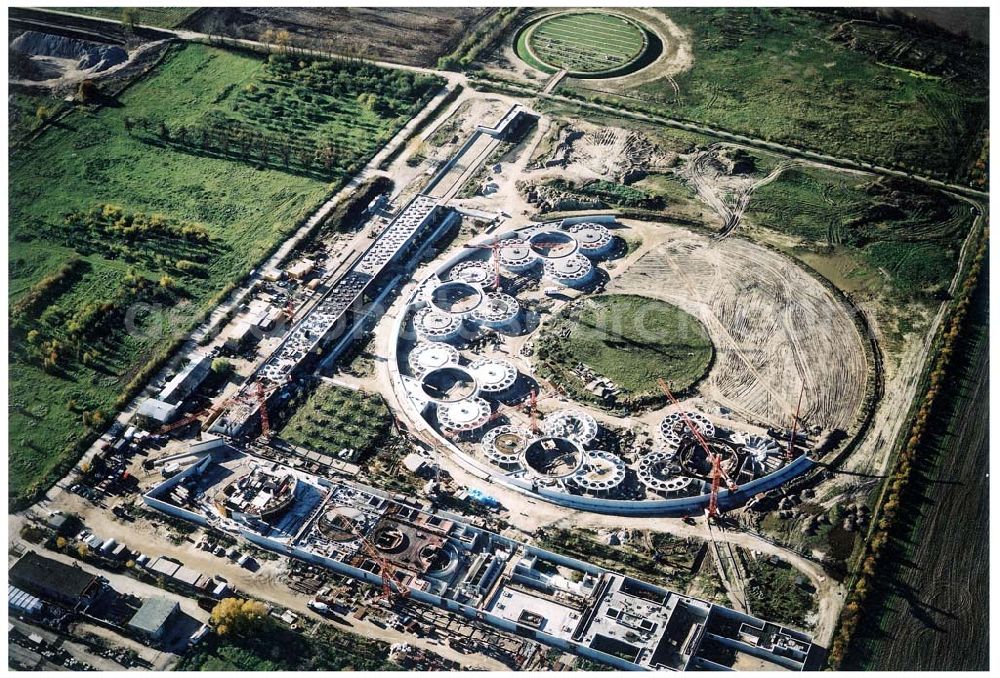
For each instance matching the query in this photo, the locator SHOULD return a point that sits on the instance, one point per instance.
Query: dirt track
(774, 327)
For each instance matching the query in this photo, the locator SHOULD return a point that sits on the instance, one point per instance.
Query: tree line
(875, 561)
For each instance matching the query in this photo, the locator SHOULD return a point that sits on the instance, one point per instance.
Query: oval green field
(583, 43)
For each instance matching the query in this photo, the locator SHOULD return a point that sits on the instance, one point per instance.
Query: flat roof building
(153, 618)
(52, 580)
(154, 413)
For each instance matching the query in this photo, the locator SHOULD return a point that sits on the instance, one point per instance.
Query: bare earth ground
(774, 327)
(413, 36)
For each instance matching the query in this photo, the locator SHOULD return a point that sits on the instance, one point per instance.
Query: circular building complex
(475, 272)
(574, 424)
(433, 325)
(427, 356)
(493, 375)
(595, 240)
(505, 445)
(574, 270)
(477, 342)
(499, 312)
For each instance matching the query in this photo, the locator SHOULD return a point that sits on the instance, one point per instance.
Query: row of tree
(232, 138)
(480, 40)
(889, 513)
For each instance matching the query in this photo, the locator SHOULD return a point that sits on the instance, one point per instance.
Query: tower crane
(718, 473)
(208, 413)
(387, 572)
(790, 452)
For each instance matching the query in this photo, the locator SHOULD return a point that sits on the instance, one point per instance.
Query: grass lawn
(585, 41)
(773, 594)
(631, 340)
(88, 161)
(891, 228)
(787, 75)
(335, 417)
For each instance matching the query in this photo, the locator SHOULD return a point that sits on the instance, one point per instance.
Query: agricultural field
(161, 17)
(631, 340)
(581, 42)
(897, 234)
(153, 234)
(795, 77)
(334, 418)
(934, 596)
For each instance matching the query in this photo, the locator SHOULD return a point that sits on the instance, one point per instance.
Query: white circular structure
(674, 428)
(573, 270)
(449, 384)
(504, 445)
(434, 325)
(463, 416)
(457, 297)
(601, 472)
(516, 255)
(474, 272)
(498, 312)
(659, 472)
(427, 356)
(551, 458)
(594, 239)
(761, 454)
(573, 424)
(553, 244)
(493, 375)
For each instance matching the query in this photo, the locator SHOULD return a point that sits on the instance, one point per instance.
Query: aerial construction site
(532, 368)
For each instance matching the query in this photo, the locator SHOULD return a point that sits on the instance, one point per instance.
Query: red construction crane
(533, 410)
(790, 452)
(207, 413)
(386, 571)
(498, 245)
(718, 473)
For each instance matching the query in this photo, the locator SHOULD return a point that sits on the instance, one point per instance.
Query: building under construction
(436, 558)
(340, 315)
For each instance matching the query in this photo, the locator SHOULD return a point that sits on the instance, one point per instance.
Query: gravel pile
(92, 56)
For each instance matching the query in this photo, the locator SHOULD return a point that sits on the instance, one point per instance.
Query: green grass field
(631, 340)
(584, 42)
(777, 74)
(162, 17)
(894, 229)
(88, 160)
(334, 418)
